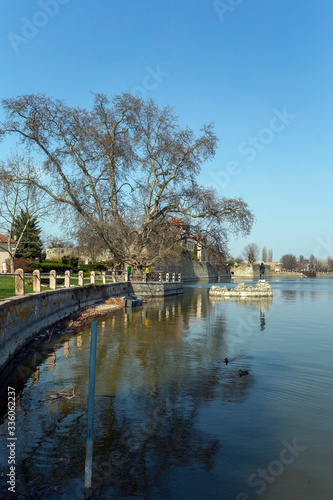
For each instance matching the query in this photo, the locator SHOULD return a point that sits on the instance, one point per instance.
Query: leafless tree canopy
(264, 254)
(17, 197)
(289, 262)
(125, 168)
(251, 252)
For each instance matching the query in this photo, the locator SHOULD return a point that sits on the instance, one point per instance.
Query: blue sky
(261, 70)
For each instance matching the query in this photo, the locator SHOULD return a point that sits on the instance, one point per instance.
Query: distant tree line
(290, 262)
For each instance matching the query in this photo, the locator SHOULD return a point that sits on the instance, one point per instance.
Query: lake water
(172, 420)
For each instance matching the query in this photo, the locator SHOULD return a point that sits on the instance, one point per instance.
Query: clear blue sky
(241, 67)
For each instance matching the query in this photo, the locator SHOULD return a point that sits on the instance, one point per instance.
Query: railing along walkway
(53, 279)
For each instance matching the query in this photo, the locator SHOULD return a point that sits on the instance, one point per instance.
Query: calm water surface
(172, 420)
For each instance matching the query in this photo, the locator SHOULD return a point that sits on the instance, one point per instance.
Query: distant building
(191, 241)
(200, 243)
(83, 254)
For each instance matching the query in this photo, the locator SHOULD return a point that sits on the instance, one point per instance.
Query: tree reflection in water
(158, 367)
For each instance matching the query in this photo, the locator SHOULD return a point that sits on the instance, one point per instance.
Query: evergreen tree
(30, 245)
(195, 253)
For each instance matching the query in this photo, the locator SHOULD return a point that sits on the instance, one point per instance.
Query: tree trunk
(12, 264)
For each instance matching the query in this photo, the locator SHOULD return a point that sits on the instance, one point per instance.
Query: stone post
(179, 277)
(93, 277)
(80, 281)
(160, 277)
(173, 277)
(167, 277)
(36, 284)
(53, 280)
(19, 282)
(114, 277)
(67, 279)
(104, 277)
(144, 278)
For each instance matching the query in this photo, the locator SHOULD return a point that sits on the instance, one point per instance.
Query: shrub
(70, 261)
(25, 264)
(49, 266)
(230, 263)
(92, 267)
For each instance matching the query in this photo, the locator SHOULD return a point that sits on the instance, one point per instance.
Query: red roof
(176, 222)
(4, 239)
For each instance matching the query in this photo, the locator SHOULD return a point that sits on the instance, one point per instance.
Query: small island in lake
(262, 289)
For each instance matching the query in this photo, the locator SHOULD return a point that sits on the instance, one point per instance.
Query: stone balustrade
(67, 281)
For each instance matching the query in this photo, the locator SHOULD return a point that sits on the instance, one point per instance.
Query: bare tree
(88, 243)
(217, 256)
(312, 263)
(264, 255)
(125, 167)
(251, 252)
(270, 255)
(315, 264)
(301, 263)
(289, 262)
(17, 197)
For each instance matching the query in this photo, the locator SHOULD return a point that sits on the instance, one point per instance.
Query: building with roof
(4, 254)
(191, 241)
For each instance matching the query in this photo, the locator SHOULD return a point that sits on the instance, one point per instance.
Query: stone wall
(192, 270)
(81, 253)
(250, 271)
(22, 317)
(157, 289)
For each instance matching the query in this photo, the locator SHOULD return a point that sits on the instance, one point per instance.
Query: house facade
(4, 254)
(191, 241)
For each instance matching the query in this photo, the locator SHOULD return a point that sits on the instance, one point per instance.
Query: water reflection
(35, 377)
(289, 295)
(51, 361)
(172, 420)
(158, 368)
(262, 319)
(261, 303)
